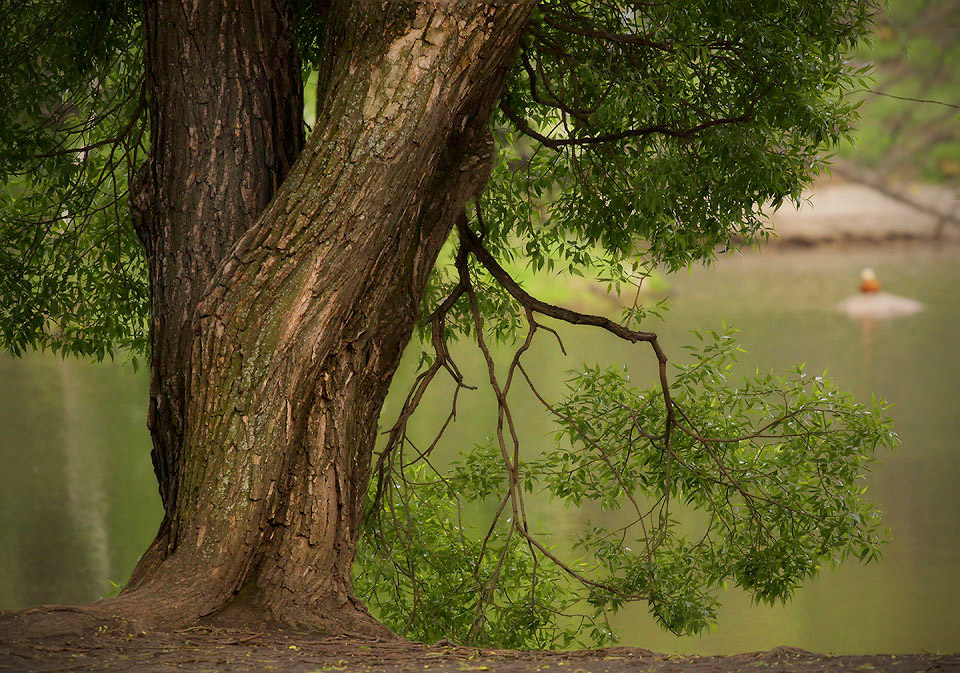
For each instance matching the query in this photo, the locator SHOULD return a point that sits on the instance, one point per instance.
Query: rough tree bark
(226, 113)
(265, 408)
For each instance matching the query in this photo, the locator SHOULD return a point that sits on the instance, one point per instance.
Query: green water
(78, 501)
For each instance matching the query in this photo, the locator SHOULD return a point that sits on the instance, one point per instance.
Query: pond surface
(78, 501)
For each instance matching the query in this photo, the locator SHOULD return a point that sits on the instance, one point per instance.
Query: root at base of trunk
(144, 610)
(337, 615)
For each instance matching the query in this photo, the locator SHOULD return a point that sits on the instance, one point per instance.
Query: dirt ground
(206, 649)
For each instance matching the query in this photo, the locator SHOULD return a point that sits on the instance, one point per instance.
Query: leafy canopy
(630, 135)
(72, 272)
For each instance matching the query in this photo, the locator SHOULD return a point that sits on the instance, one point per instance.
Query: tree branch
(474, 245)
(662, 129)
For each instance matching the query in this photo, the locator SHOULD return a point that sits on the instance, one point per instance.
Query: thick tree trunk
(226, 112)
(295, 338)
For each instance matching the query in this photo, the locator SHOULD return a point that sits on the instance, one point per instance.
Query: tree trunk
(294, 340)
(226, 112)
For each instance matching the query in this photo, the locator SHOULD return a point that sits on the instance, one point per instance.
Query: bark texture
(226, 112)
(294, 339)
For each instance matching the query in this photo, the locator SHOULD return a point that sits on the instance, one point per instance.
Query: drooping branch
(507, 435)
(473, 244)
(397, 434)
(535, 305)
(732, 472)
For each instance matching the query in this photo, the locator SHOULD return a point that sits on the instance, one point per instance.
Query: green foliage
(774, 466)
(758, 485)
(761, 81)
(427, 575)
(308, 26)
(72, 276)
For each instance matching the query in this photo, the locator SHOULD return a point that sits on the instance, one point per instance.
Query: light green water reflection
(78, 501)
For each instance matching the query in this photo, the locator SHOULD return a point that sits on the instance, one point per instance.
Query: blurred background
(78, 499)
